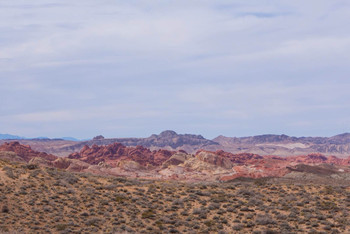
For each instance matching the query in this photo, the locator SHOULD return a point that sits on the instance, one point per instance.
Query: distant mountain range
(166, 140)
(9, 137)
(281, 145)
(14, 137)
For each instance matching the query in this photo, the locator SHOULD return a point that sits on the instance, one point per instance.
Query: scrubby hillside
(37, 199)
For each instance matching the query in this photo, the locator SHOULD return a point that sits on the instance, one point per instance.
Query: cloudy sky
(133, 68)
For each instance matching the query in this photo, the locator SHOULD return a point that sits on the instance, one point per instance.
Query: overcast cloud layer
(133, 68)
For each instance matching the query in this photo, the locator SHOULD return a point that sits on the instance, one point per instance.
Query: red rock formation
(25, 152)
(256, 166)
(130, 161)
(248, 159)
(161, 156)
(318, 159)
(347, 161)
(242, 158)
(115, 152)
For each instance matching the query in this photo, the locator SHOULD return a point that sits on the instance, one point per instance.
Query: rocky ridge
(168, 140)
(283, 145)
(279, 145)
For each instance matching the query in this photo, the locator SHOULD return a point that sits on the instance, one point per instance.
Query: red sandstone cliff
(25, 151)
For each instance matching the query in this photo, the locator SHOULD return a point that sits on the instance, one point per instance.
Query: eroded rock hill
(113, 153)
(119, 160)
(25, 152)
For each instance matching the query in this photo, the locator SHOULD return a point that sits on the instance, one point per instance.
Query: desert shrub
(34, 173)
(264, 219)
(199, 211)
(281, 217)
(10, 172)
(230, 209)
(328, 190)
(246, 209)
(260, 182)
(103, 202)
(245, 192)
(61, 226)
(5, 209)
(255, 202)
(71, 179)
(148, 214)
(202, 193)
(120, 198)
(269, 231)
(237, 227)
(93, 222)
(214, 206)
(184, 213)
(47, 209)
(219, 198)
(209, 223)
(250, 224)
(221, 211)
(314, 224)
(285, 226)
(32, 166)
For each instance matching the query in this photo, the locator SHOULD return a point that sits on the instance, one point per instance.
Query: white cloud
(173, 64)
(103, 112)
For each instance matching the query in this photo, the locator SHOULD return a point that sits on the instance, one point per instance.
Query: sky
(134, 68)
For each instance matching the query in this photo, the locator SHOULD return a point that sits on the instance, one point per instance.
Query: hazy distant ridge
(269, 144)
